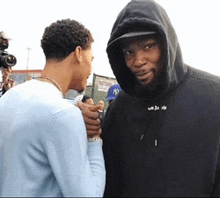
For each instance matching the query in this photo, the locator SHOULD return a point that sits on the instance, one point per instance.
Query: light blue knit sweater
(44, 148)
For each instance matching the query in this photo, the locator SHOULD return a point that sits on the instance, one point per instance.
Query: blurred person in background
(101, 103)
(88, 100)
(84, 99)
(7, 83)
(113, 91)
(5, 63)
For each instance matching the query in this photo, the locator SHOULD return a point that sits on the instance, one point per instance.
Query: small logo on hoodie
(157, 108)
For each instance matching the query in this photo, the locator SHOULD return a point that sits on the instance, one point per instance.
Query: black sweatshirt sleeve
(216, 187)
(112, 164)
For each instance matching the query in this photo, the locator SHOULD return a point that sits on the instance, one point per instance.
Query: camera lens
(8, 60)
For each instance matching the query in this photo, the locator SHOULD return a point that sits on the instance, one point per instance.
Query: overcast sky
(196, 23)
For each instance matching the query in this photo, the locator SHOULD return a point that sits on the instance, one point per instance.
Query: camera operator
(7, 82)
(6, 62)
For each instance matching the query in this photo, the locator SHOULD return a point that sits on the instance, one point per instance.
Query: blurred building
(97, 90)
(20, 76)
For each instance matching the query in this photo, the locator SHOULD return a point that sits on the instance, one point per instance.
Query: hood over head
(143, 17)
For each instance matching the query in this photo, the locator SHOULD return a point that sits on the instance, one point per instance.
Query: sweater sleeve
(77, 165)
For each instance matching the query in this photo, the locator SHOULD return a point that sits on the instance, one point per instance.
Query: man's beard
(153, 88)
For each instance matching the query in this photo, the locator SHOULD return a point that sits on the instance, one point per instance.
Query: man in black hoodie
(161, 133)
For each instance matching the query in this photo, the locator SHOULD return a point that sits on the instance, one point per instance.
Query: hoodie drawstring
(157, 124)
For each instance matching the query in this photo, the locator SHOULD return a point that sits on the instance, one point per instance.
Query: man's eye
(149, 46)
(128, 53)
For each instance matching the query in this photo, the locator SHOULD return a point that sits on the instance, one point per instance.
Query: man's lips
(144, 75)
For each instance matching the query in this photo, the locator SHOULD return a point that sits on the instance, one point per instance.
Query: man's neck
(55, 74)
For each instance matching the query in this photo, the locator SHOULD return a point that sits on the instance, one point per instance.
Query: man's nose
(140, 59)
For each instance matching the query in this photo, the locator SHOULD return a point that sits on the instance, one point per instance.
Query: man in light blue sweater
(44, 147)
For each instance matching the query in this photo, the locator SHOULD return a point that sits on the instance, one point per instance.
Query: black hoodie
(161, 144)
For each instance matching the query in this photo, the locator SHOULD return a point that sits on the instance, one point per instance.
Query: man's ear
(78, 54)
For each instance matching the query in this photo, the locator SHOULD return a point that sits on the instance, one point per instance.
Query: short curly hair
(62, 37)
